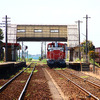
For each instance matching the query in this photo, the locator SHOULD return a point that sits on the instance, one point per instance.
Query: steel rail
(24, 89)
(82, 89)
(93, 84)
(7, 83)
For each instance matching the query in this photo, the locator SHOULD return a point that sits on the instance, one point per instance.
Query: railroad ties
(93, 90)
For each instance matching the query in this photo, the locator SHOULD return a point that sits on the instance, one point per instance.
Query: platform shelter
(12, 51)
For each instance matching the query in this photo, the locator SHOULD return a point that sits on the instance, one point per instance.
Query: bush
(30, 59)
(39, 58)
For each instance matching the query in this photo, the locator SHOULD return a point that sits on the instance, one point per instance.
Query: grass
(1, 61)
(35, 71)
(91, 61)
(22, 81)
(44, 61)
(28, 70)
(72, 69)
(60, 78)
(84, 76)
(35, 60)
(60, 68)
(27, 95)
(12, 76)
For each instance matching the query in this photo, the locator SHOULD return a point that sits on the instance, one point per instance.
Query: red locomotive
(56, 54)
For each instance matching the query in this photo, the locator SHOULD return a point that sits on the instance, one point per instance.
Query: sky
(61, 12)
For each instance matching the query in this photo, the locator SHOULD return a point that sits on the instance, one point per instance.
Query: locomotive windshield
(56, 46)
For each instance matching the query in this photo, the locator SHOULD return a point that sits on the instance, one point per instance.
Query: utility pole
(94, 60)
(6, 39)
(42, 50)
(6, 36)
(79, 37)
(22, 50)
(86, 37)
(45, 49)
(27, 54)
(19, 53)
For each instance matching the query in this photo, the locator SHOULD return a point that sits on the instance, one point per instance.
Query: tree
(91, 49)
(93, 54)
(1, 36)
(90, 46)
(1, 49)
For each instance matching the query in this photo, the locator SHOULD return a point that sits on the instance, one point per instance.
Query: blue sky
(54, 12)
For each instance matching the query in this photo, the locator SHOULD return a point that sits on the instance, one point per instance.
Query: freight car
(56, 54)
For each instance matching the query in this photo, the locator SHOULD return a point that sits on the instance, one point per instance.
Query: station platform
(12, 64)
(78, 66)
(10, 68)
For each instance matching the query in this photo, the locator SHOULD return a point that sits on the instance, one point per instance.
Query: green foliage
(84, 76)
(77, 59)
(35, 71)
(89, 45)
(91, 61)
(40, 59)
(22, 81)
(97, 64)
(30, 59)
(27, 95)
(1, 36)
(60, 78)
(28, 70)
(93, 54)
(1, 61)
(1, 49)
(44, 61)
(67, 59)
(60, 68)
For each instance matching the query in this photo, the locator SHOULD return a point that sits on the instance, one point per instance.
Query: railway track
(90, 89)
(24, 89)
(85, 80)
(14, 86)
(7, 83)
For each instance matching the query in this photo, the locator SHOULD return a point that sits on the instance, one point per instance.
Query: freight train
(56, 54)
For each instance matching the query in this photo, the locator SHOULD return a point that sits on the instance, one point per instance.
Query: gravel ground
(14, 89)
(38, 88)
(69, 90)
(88, 76)
(82, 83)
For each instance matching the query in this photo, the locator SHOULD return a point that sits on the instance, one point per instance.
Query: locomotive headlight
(51, 49)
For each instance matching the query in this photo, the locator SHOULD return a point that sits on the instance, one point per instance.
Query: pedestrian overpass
(41, 33)
(25, 32)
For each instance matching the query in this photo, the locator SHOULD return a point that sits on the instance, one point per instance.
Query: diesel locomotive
(56, 54)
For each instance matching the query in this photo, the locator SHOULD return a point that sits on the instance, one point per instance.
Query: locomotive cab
(56, 55)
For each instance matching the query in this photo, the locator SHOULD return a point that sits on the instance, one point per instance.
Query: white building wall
(73, 37)
(12, 33)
